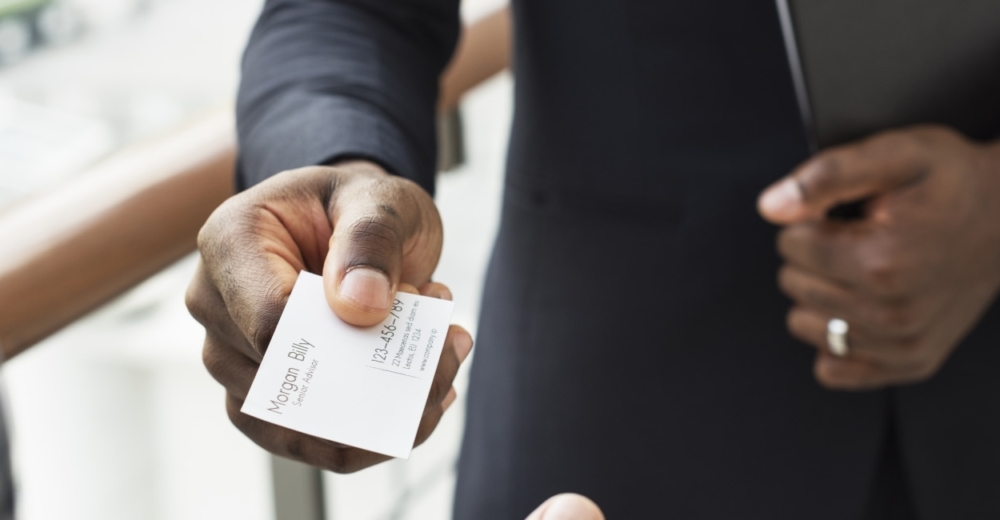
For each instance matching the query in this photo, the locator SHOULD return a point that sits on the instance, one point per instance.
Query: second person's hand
(913, 274)
(567, 506)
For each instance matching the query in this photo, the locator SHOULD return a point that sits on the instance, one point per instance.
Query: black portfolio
(861, 66)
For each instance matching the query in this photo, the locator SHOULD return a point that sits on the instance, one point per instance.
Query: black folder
(862, 66)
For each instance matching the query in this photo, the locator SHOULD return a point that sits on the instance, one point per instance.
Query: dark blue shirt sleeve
(325, 80)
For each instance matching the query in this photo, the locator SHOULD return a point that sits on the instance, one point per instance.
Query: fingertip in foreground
(462, 341)
(449, 399)
(567, 506)
(436, 290)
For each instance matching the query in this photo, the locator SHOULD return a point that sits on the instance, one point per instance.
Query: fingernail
(367, 288)
(781, 201)
(463, 345)
(567, 507)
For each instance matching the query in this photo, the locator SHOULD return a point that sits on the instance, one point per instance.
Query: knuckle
(828, 381)
(439, 388)
(895, 143)
(340, 460)
(785, 243)
(841, 379)
(373, 237)
(792, 321)
(236, 420)
(818, 297)
(924, 373)
(821, 177)
(882, 275)
(924, 134)
(840, 375)
(408, 193)
(198, 299)
(211, 358)
(314, 451)
(292, 447)
(217, 224)
(269, 311)
(899, 319)
(797, 242)
(912, 375)
(428, 423)
(194, 300)
(795, 321)
(295, 446)
(206, 235)
(904, 356)
(240, 420)
(826, 377)
(786, 281)
(924, 369)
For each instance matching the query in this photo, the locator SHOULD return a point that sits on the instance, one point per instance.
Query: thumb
(843, 175)
(567, 506)
(381, 240)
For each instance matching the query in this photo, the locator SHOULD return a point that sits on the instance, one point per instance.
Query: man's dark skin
(334, 220)
(914, 275)
(911, 277)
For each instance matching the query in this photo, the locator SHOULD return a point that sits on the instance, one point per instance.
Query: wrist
(361, 166)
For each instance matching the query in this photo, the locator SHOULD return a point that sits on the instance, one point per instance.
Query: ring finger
(810, 325)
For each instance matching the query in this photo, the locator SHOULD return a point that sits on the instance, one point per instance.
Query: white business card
(363, 387)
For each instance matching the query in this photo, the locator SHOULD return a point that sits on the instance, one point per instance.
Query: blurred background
(113, 416)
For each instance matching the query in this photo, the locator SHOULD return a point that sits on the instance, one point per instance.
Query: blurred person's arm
(483, 50)
(351, 84)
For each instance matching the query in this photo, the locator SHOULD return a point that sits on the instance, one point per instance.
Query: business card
(363, 387)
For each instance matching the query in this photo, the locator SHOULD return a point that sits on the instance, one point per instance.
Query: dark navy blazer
(632, 344)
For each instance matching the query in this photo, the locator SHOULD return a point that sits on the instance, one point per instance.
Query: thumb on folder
(909, 278)
(845, 175)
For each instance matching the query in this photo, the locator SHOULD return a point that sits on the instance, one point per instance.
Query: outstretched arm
(352, 84)
(326, 80)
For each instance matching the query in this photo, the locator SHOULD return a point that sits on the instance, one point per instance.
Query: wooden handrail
(65, 252)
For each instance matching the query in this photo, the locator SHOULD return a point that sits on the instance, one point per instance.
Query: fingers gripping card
(363, 387)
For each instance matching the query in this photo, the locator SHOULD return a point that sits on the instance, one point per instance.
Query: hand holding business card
(373, 235)
(362, 387)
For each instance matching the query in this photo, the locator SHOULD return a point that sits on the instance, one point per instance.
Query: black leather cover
(869, 65)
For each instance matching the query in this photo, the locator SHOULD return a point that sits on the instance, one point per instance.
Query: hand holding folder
(911, 87)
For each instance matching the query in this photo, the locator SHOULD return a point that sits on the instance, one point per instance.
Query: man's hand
(371, 234)
(913, 275)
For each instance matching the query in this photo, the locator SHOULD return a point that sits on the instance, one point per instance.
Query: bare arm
(483, 50)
